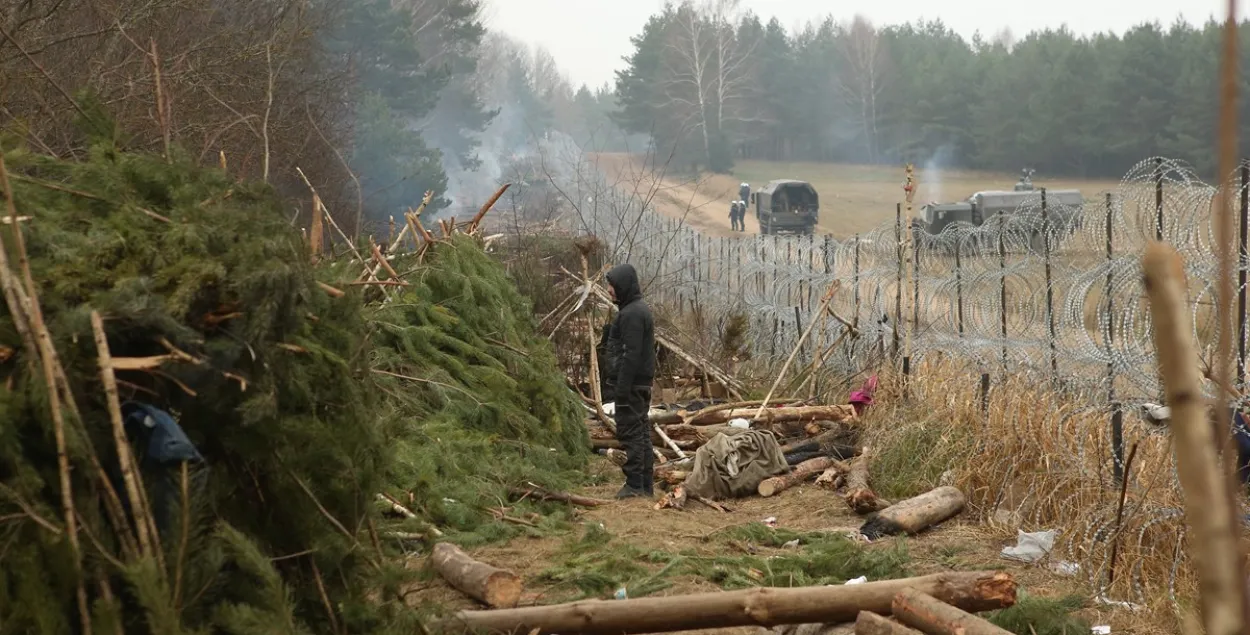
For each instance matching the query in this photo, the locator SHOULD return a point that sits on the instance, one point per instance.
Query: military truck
(935, 217)
(786, 205)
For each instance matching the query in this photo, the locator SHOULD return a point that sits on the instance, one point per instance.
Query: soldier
(744, 192)
(734, 215)
(742, 214)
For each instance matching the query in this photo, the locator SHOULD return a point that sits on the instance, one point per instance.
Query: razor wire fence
(1048, 292)
(1048, 289)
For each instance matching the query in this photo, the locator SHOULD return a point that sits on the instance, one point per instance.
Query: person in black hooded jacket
(631, 362)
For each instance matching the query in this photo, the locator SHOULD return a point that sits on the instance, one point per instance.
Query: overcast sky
(589, 37)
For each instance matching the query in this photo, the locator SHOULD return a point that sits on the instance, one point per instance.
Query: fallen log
(613, 444)
(916, 514)
(777, 484)
(672, 476)
(873, 624)
(837, 414)
(973, 591)
(489, 585)
(533, 491)
(935, 617)
(859, 496)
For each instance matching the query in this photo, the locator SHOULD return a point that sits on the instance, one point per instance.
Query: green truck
(786, 206)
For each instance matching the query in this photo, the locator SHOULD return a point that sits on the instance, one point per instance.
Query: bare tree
(689, 84)
(862, 76)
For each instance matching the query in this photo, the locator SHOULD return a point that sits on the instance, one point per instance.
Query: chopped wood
(668, 441)
(935, 617)
(833, 477)
(533, 491)
(494, 587)
(675, 499)
(802, 471)
(839, 443)
(916, 514)
(873, 624)
(859, 496)
(671, 475)
(972, 591)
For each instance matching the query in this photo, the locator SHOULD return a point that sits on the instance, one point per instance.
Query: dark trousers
(633, 429)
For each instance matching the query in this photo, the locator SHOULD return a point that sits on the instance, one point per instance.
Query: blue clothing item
(159, 446)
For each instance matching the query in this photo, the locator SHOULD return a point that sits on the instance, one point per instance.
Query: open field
(854, 198)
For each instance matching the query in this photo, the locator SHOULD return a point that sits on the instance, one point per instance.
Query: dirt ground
(853, 198)
(955, 545)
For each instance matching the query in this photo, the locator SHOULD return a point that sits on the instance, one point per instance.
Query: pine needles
(303, 404)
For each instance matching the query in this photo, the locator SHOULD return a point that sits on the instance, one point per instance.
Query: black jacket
(631, 339)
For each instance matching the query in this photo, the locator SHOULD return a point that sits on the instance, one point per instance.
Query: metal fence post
(1050, 291)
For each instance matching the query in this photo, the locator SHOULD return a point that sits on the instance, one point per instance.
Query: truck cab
(786, 205)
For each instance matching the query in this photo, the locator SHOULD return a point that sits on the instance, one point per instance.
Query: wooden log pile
(957, 593)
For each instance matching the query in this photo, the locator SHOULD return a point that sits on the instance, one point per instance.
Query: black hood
(624, 281)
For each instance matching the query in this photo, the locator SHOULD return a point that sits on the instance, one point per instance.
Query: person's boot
(630, 492)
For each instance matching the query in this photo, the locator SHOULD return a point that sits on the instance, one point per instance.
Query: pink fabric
(865, 392)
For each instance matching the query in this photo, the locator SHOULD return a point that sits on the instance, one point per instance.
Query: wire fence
(1047, 293)
(1048, 289)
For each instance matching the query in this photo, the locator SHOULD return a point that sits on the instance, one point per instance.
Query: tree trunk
(859, 496)
(493, 587)
(777, 484)
(873, 624)
(916, 514)
(974, 591)
(933, 616)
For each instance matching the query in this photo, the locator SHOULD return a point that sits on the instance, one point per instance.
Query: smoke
(931, 173)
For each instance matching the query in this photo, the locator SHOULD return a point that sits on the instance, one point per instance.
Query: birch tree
(862, 77)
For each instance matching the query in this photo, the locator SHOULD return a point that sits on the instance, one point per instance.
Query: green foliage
(915, 455)
(1042, 616)
(298, 428)
(596, 564)
(474, 393)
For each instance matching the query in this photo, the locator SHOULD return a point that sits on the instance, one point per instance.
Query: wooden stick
(532, 490)
(42, 340)
(494, 587)
(873, 624)
(669, 442)
(133, 481)
(935, 617)
(486, 208)
(973, 591)
(833, 288)
(1214, 530)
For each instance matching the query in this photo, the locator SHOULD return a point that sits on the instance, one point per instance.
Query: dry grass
(1038, 461)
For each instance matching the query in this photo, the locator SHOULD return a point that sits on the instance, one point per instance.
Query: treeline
(375, 101)
(726, 85)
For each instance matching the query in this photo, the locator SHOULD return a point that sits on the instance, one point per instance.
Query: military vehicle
(786, 205)
(935, 217)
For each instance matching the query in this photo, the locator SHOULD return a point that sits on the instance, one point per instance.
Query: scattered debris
(533, 491)
(1031, 547)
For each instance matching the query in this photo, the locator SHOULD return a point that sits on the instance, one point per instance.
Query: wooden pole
(1214, 531)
